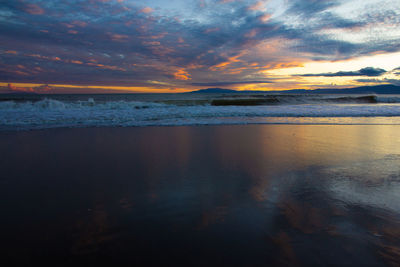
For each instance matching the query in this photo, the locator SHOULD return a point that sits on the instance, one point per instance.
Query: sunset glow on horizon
(179, 46)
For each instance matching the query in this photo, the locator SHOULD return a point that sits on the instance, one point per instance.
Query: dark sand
(211, 195)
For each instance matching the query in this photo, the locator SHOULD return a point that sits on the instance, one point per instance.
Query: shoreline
(387, 120)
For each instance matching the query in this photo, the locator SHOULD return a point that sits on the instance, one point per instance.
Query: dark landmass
(377, 89)
(214, 91)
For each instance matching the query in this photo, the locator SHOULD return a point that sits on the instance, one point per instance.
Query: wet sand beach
(249, 195)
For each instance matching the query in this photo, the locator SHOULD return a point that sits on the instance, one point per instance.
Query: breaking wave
(49, 113)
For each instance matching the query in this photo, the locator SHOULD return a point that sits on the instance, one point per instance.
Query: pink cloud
(109, 67)
(33, 9)
(14, 88)
(158, 36)
(151, 43)
(38, 89)
(68, 25)
(259, 6)
(118, 37)
(43, 88)
(211, 30)
(264, 18)
(146, 10)
(251, 33)
(79, 23)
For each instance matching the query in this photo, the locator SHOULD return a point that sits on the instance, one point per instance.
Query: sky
(182, 45)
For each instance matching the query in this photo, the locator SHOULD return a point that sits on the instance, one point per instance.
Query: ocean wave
(53, 104)
(257, 100)
(48, 113)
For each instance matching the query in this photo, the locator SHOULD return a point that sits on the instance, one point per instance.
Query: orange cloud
(12, 52)
(11, 87)
(182, 74)
(44, 57)
(77, 62)
(72, 32)
(223, 65)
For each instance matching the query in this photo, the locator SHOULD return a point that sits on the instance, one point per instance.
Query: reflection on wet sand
(90, 232)
(237, 195)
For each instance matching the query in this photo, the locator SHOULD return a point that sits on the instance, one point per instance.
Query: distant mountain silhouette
(377, 89)
(214, 90)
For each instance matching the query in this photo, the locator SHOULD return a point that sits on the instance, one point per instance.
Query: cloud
(119, 43)
(229, 83)
(182, 74)
(33, 9)
(11, 88)
(369, 71)
(14, 89)
(11, 52)
(258, 6)
(380, 81)
(146, 10)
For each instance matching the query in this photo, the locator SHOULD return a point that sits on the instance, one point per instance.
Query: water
(254, 195)
(20, 112)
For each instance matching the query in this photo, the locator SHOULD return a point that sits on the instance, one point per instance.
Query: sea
(34, 111)
(315, 183)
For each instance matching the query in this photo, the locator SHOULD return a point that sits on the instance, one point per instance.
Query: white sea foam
(50, 113)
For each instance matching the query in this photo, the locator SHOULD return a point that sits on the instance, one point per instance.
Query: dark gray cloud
(380, 81)
(369, 71)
